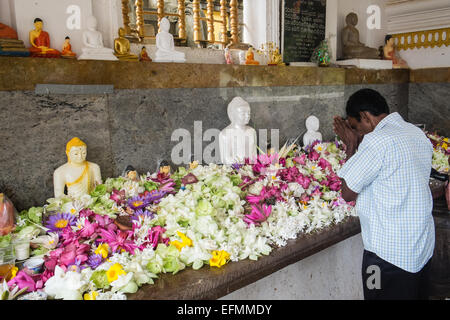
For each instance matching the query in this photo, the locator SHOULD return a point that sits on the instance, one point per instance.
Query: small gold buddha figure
(390, 53)
(78, 175)
(122, 48)
(250, 57)
(40, 42)
(67, 50)
(276, 58)
(144, 55)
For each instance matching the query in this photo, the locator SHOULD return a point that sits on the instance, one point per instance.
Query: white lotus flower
(65, 285)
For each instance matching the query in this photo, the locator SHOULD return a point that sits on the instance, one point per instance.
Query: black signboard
(303, 28)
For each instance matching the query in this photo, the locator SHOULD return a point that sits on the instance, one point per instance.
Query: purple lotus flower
(94, 261)
(236, 166)
(154, 196)
(60, 221)
(258, 215)
(142, 214)
(138, 202)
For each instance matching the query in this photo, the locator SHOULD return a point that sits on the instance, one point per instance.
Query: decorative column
(140, 17)
(223, 15)
(196, 10)
(126, 18)
(210, 20)
(160, 11)
(234, 21)
(182, 20)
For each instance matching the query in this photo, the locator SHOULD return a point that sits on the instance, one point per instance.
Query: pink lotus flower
(86, 213)
(88, 230)
(105, 222)
(73, 252)
(258, 215)
(313, 155)
(301, 159)
(118, 240)
(289, 174)
(23, 280)
(303, 181)
(335, 185)
(324, 164)
(155, 236)
(118, 196)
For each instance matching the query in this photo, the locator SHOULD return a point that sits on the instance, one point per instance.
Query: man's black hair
(366, 100)
(67, 38)
(38, 20)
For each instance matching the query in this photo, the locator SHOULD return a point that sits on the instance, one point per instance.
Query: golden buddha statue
(40, 42)
(78, 175)
(250, 57)
(122, 48)
(276, 58)
(67, 50)
(144, 55)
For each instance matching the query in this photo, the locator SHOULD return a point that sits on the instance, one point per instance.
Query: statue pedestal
(366, 63)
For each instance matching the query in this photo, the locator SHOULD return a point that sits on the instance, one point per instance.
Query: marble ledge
(22, 74)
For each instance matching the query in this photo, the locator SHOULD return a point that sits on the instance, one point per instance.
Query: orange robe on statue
(43, 40)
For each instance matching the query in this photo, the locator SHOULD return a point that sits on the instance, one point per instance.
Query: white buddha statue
(93, 48)
(311, 135)
(165, 47)
(238, 140)
(80, 176)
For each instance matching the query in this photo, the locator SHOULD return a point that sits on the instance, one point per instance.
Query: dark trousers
(384, 281)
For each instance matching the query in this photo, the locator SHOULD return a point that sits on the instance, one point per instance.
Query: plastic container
(7, 262)
(22, 249)
(34, 265)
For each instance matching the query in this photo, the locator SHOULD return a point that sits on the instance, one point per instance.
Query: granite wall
(429, 103)
(135, 126)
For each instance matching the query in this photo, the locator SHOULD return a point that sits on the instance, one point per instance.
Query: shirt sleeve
(363, 167)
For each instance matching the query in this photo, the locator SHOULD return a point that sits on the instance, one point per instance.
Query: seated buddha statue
(122, 48)
(352, 47)
(389, 53)
(250, 57)
(78, 175)
(165, 46)
(93, 48)
(238, 140)
(144, 55)
(67, 49)
(40, 42)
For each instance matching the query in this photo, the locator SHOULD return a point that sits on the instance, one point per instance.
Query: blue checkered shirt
(390, 172)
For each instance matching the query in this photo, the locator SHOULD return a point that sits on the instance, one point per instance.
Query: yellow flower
(193, 164)
(103, 249)
(219, 258)
(14, 272)
(91, 296)
(114, 272)
(185, 241)
(444, 146)
(445, 139)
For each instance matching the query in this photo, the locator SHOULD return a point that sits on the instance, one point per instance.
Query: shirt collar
(394, 117)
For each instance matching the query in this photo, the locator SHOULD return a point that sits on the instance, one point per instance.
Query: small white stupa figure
(312, 134)
(238, 140)
(165, 47)
(93, 48)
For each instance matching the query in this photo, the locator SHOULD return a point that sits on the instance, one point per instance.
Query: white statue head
(91, 22)
(312, 123)
(239, 111)
(76, 151)
(164, 25)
